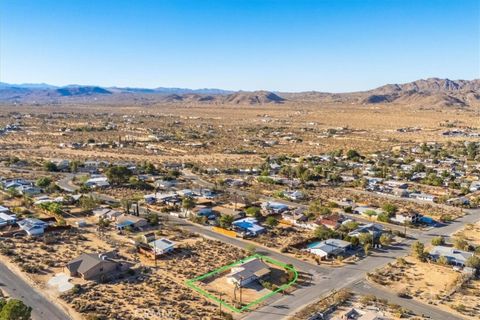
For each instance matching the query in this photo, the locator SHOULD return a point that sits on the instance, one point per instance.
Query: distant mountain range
(429, 92)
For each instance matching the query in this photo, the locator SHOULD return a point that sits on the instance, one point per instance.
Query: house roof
(458, 255)
(162, 244)
(87, 261)
(254, 267)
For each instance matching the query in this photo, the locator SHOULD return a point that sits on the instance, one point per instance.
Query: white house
(327, 248)
(162, 246)
(32, 226)
(454, 256)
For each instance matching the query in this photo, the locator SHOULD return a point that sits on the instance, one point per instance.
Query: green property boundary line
(191, 282)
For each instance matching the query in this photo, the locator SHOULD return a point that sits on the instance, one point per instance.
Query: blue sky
(330, 45)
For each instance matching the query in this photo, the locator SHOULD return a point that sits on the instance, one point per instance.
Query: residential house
(94, 266)
(248, 226)
(6, 217)
(204, 211)
(293, 195)
(375, 230)
(33, 226)
(162, 246)
(329, 248)
(454, 256)
(129, 221)
(474, 186)
(423, 197)
(274, 207)
(106, 213)
(407, 217)
(332, 221)
(97, 182)
(248, 272)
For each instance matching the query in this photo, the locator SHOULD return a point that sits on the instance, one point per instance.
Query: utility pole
(241, 283)
(220, 303)
(155, 250)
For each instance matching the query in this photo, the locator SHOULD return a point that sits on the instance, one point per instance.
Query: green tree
(251, 249)
(50, 166)
(442, 260)
(15, 310)
(88, 202)
(367, 247)
(460, 244)
(188, 203)
(271, 221)
(383, 217)
(323, 233)
(352, 154)
(390, 209)
(153, 219)
(438, 241)
(226, 221)
(473, 262)
(418, 250)
(43, 182)
(365, 238)
(386, 239)
(118, 174)
(253, 212)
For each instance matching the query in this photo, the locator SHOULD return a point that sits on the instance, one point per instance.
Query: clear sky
(287, 45)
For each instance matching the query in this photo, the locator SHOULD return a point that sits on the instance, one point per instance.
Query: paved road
(320, 280)
(284, 307)
(18, 288)
(66, 183)
(410, 304)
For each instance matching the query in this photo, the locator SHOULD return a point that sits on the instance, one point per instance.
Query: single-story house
(6, 217)
(454, 256)
(248, 272)
(294, 195)
(375, 230)
(204, 211)
(162, 246)
(396, 184)
(29, 190)
(332, 221)
(423, 197)
(407, 217)
(328, 248)
(458, 201)
(274, 207)
(93, 266)
(165, 184)
(32, 226)
(128, 220)
(106, 213)
(474, 186)
(248, 225)
(228, 211)
(97, 182)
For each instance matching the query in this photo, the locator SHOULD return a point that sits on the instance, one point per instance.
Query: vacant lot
(431, 283)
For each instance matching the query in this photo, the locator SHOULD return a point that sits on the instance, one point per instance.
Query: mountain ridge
(430, 91)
